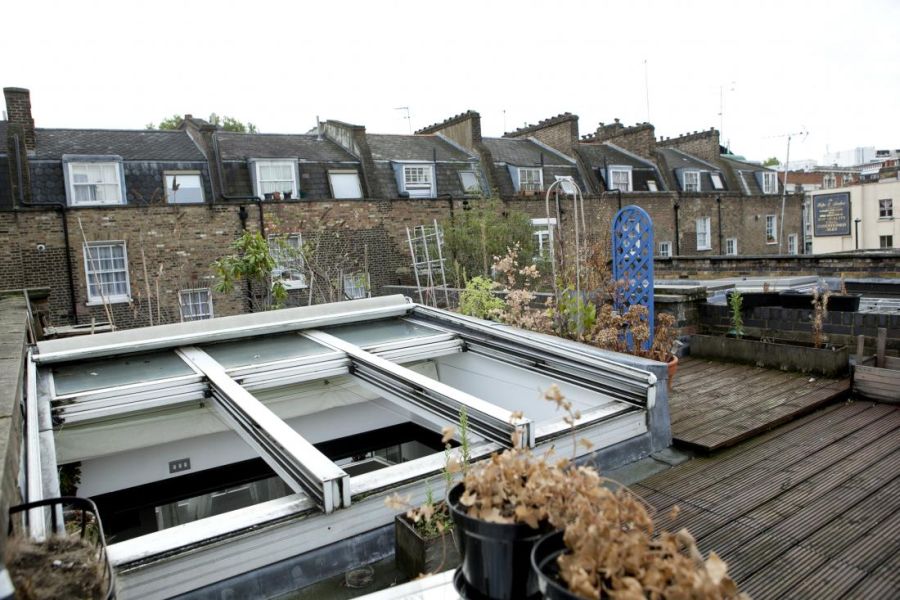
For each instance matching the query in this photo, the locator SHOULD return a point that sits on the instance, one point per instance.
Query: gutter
(62, 208)
(251, 198)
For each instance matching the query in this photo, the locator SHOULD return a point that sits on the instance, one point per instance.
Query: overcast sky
(829, 68)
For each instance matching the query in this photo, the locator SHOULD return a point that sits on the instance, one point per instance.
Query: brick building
(136, 218)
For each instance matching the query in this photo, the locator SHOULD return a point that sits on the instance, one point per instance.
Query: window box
(106, 273)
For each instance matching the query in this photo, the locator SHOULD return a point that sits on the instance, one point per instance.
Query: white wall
(864, 205)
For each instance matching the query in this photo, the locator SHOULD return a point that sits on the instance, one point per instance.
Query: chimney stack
(18, 109)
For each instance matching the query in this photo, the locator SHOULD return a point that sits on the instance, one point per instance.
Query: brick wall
(559, 132)
(18, 111)
(869, 264)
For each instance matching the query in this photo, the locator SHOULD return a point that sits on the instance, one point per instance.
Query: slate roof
(675, 159)
(523, 153)
(241, 146)
(2, 137)
(413, 147)
(599, 155)
(743, 173)
(129, 144)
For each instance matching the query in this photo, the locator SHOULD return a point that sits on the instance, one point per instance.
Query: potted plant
(424, 539)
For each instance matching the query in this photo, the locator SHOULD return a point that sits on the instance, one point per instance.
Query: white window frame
(543, 232)
(295, 187)
(716, 180)
(664, 249)
(792, 244)
(771, 229)
(610, 178)
(89, 271)
(769, 182)
(704, 233)
(885, 208)
(883, 238)
(199, 315)
(335, 190)
(471, 190)
(567, 184)
(424, 188)
(172, 195)
(694, 184)
(731, 247)
(651, 185)
(294, 265)
(71, 183)
(356, 285)
(532, 184)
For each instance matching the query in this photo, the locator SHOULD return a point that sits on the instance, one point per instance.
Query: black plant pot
(543, 561)
(496, 557)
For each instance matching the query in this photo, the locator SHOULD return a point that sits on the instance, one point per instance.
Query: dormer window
(566, 184)
(344, 184)
(691, 182)
(651, 185)
(273, 177)
(418, 181)
(470, 184)
(94, 183)
(769, 183)
(619, 178)
(531, 179)
(716, 180)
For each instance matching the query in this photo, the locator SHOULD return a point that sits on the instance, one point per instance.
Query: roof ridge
(560, 118)
(469, 114)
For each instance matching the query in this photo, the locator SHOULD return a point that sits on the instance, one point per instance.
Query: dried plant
(820, 311)
(613, 548)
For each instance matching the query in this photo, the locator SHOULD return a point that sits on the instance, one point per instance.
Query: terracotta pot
(673, 367)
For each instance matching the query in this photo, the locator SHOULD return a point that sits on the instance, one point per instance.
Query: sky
(827, 73)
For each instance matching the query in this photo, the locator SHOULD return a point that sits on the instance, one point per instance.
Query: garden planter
(496, 557)
(415, 554)
(751, 300)
(543, 561)
(836, 302)
(790, 356)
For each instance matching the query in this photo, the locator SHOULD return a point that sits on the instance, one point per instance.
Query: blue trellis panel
(632, 258)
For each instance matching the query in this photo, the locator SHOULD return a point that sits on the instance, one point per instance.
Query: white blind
(95, 183)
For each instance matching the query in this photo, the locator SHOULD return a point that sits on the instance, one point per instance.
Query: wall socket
(182, 464)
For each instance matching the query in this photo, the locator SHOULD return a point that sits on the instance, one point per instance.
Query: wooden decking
(715, 405)
(808, 510)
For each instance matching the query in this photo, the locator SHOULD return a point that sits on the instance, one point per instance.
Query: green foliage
(477, 300)
(225, 122)
(574, 315)
(251, 261)
(473, 237)
(735, 303)
(771, 162)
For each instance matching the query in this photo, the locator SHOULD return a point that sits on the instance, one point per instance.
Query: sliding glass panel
(261, 350)
(78, 377)
(379, 332)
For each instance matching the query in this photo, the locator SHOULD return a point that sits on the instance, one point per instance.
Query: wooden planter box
(415, 555)
(881, 384)
(791, 356)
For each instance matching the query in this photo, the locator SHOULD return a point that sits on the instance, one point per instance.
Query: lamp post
(856, 226)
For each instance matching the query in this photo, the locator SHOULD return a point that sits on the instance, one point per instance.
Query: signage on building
(831, 214)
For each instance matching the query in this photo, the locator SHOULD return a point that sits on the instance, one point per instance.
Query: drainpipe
(719, 204)
(61, 207)
(677, 236)
(242, 215)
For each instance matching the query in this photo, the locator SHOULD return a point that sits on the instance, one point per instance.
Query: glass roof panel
(261, 350)
(373, 333)
(78, 377)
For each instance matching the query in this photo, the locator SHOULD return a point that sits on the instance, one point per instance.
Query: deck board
(715, 404)
(810, 509)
